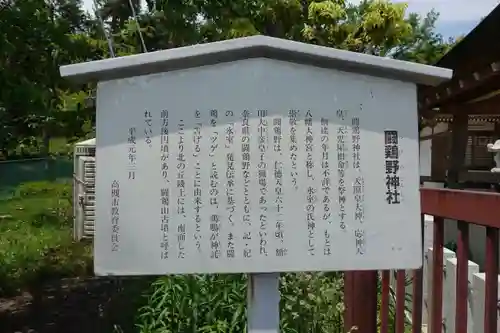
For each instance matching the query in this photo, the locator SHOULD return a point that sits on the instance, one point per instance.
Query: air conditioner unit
(84, 190)
(85, 148)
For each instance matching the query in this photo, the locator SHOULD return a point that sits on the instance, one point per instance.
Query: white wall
(477, 240)
(425, 158)
(475, 295)
(475, 298)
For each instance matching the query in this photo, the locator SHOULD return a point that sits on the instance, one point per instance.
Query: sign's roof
(254, 47)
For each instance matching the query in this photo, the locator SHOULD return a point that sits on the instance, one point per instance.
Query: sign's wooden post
(262, 156)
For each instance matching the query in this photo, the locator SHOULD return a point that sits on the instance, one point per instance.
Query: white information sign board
(256, 165)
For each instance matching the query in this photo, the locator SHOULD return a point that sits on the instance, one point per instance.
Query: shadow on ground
(79, 305)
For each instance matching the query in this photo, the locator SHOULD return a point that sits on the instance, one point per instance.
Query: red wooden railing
(467, 207)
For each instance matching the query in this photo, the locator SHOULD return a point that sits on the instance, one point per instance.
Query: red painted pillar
(360, 293)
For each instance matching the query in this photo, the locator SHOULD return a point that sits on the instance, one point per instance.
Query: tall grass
(36, 244)
(310, 303)
(217, 303)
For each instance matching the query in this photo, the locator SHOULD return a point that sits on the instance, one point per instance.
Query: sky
(457, 17)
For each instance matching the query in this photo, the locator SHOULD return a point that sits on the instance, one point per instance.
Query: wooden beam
(476, 207)
(479, 176)
(497, 130)
(474, 119)
(459, 137)
(487, 106)
(435, 135)
(461, 89)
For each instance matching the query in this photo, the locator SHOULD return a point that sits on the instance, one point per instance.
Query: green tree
(37, 36)
(374, 26)
(424, 45)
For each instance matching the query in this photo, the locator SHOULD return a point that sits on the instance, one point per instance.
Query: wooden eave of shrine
(485, 108)
(468, 101)
(473, 119)
(475, 61)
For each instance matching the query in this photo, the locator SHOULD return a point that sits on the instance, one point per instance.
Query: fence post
(491, 288)
(360, 294)
(437, 276)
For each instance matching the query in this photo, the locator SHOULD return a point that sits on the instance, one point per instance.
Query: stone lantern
(495, 148)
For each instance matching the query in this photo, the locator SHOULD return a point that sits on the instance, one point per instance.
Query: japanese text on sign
(392, 181)
(259, 172)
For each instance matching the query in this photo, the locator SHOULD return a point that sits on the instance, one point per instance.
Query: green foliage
(37, 105)
(40, 35)
(35, 237)
(206, 303)
(57, 146)
(424, 45)
(36, 39)
(453, 246)
(36, 245)
(310, 302)
(217, 303)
